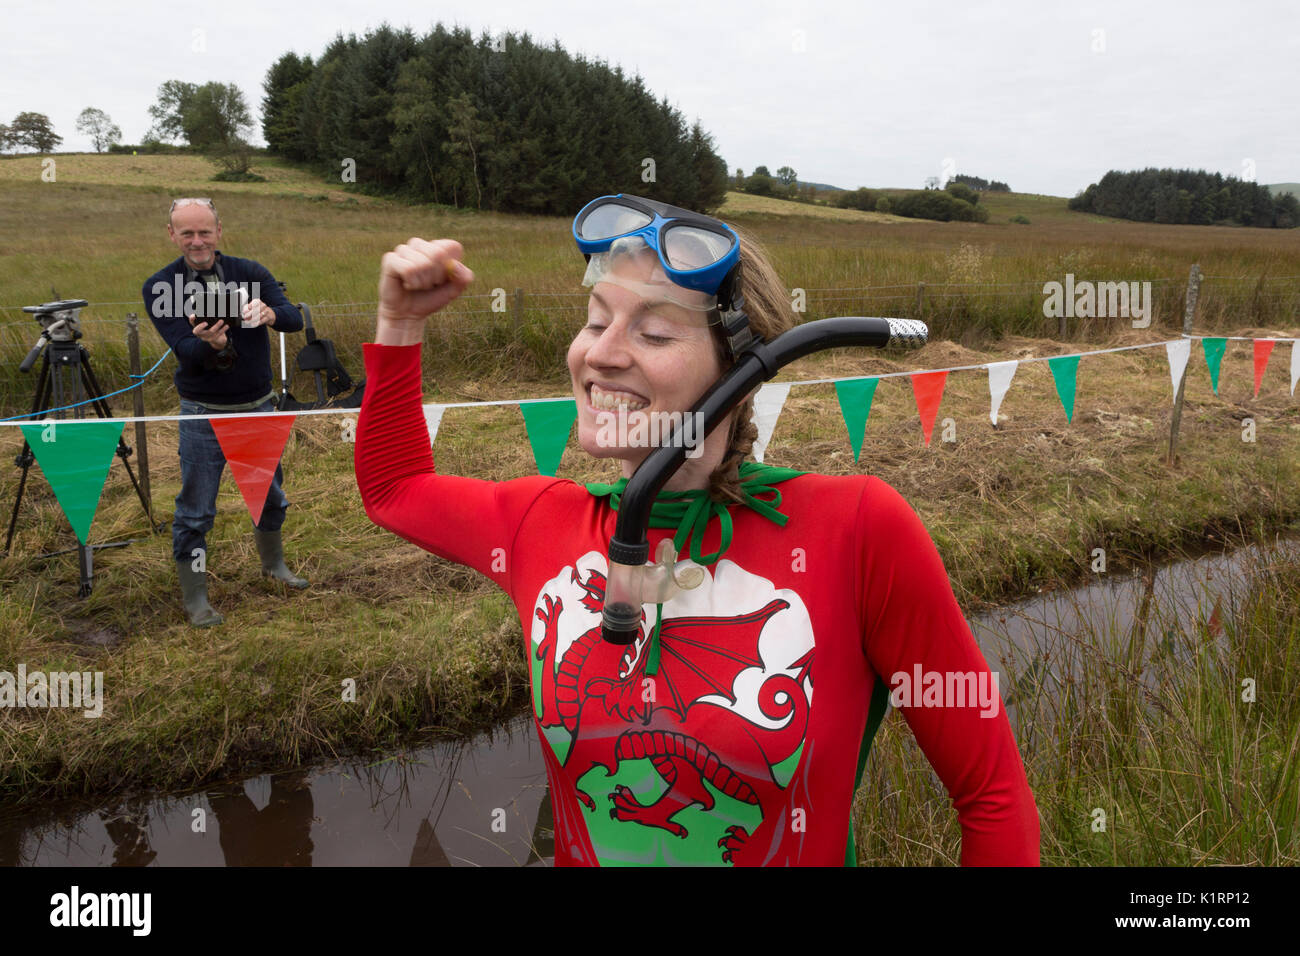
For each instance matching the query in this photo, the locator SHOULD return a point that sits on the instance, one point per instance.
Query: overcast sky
(1044, 95)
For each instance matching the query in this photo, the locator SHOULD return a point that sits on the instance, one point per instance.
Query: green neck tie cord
(690, 512)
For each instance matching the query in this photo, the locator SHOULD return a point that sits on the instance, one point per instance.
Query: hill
(746, 204)
(184, 172)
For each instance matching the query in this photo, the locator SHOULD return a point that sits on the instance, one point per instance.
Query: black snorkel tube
(631, 582)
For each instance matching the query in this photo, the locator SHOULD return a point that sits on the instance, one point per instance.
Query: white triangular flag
(1000, 374)
(1295, 364)
(1178, 351)
(432, 419)
(767, 408)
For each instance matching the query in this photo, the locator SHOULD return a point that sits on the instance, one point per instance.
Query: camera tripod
(66, 378)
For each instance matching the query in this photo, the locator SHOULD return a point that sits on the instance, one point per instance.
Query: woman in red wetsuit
(734, 729)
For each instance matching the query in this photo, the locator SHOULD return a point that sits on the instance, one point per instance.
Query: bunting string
(18, 419)
(75, 454)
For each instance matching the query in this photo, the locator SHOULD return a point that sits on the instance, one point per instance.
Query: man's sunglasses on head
(176, 203)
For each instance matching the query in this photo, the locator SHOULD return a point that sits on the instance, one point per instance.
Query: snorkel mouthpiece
(632, 582)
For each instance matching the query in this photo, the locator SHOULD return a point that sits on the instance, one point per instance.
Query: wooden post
(517, 310)
(920, 301)
(137, 403)
(1189, 321)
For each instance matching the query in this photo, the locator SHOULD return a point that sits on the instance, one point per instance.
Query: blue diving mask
(695, 252)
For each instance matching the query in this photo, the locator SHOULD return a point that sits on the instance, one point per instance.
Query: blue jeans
(202, 463)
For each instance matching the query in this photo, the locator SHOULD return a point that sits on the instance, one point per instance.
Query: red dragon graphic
(598, 694)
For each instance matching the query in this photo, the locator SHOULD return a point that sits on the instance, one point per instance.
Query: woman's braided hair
(768, 306)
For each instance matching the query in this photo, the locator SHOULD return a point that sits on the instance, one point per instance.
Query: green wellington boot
(271, 548)
(194, 592)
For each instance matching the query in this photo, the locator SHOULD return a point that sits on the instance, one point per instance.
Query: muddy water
(1164, 607)
(483, 801)
(476, 802)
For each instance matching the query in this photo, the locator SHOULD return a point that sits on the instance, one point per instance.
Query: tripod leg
(86, 561)
(40, 401)
(24, 461)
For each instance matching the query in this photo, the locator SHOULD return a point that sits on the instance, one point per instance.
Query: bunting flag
(76, 462)
(1000, 375)
(1213, 358)
(1178, 353)
(1263, 349)
(432, 419)
(75, 458)
(548, 424)
(855, 396)
(253, 445)
(928, 389)
(1295, 364)
(767, 409)
(1065, 370)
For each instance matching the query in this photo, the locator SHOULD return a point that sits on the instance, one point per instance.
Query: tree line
(955, 202)
(34, 131)
(495, 123)
(981, 185)
(784, 185)
(1187, 196)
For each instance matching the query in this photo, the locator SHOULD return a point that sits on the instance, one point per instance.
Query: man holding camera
(214, 310)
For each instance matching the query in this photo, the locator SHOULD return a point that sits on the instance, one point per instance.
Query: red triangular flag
(928, 389)
(1263, 348)
(253, 445)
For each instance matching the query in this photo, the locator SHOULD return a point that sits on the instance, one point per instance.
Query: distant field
(744, 204)
(178, 172)
(97, 232)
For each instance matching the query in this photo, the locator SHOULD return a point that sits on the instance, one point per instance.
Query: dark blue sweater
(243, 372)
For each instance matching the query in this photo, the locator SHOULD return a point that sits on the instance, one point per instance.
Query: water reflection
(1046, 639)
(277, 835)
(474, 802)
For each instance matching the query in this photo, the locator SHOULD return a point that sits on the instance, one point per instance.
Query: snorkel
(631, 582)
(700, 254)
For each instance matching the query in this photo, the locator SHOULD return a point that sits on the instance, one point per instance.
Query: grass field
(97, 232)
(1012, 510)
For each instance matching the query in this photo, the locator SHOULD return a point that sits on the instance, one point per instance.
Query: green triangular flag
(548, 425)
(75, 457)
(855, 396)
(1213, 356)
(1064, 368)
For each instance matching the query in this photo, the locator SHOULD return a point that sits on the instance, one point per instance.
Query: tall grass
(1144, 726)
(98, 232)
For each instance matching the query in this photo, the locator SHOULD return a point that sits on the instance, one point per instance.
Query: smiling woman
(701, 741)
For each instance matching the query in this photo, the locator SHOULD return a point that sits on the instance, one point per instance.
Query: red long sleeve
(747, 753)
(913, 622)
(467, 520)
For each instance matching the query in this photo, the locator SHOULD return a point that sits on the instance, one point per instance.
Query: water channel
(484, 801)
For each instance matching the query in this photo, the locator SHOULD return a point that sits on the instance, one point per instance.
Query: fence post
(517, 311)
(920, 301)
(1189, 320)
(137, 403)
